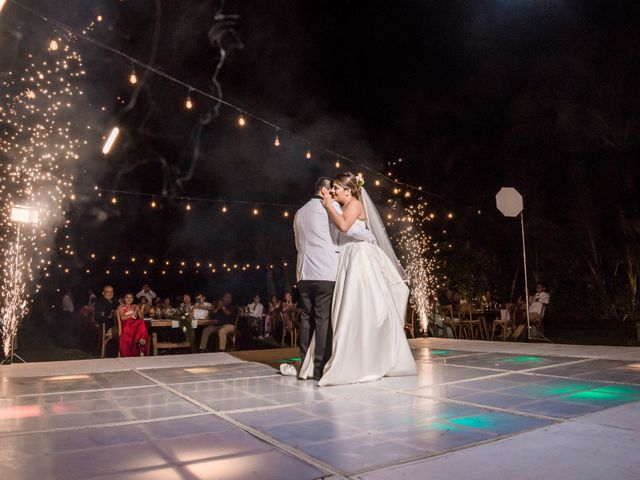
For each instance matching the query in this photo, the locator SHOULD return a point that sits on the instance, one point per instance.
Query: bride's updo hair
(350, 182)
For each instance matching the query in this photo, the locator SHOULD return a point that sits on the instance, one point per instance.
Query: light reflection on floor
(243, 420)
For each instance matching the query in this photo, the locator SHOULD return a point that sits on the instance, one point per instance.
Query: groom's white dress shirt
(316, 243)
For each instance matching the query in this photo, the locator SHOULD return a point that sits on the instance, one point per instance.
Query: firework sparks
(37, 145)
(419, 255)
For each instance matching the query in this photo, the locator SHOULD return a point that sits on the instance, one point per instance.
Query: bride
(370, 295)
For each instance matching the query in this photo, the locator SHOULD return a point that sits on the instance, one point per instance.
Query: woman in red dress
(134, 338)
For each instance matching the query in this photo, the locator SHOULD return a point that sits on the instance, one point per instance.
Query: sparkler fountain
(419, 256)
(39, 142)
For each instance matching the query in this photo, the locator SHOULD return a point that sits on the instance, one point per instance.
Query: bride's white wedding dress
(367, 316)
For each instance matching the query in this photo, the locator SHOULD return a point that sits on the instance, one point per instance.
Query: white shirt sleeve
(140, 294)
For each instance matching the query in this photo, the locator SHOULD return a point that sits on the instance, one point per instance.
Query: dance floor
(476, 410)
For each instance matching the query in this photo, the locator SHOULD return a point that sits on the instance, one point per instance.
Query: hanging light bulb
(224, 209)
(308, 155)
(53, 45)
(377, 183)
(241, 121)
(133, 78)
(153, 204)
(188, 104)
(114, 200)
(276, 142)
(188, 207)
(255, 211)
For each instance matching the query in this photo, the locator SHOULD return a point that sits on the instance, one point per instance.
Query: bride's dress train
(367, 316)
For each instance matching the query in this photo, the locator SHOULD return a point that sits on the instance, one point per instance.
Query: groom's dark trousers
(315, 317)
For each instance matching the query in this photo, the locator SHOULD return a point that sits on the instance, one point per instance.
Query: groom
(317, 267)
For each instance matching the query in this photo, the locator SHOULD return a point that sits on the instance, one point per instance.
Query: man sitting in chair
(105, 312)
(225, 314)
(537, 305)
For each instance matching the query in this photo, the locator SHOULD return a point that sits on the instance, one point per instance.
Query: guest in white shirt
(201, 308)
(256, 309)
(538, 302)
(67, 303)
(146, 292)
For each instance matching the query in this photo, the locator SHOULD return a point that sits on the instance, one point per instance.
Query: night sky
(539, 95)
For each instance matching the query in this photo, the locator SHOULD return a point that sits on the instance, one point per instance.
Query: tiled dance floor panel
(243, 420)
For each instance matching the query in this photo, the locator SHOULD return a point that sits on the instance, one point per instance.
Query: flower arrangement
(360, 180)
(184, 319)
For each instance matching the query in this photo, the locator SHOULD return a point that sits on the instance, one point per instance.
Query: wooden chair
(105, 336)
(504, 324)
(468, 325)
(234, 335)
(293, 328)
(448, 320)
(538, 321)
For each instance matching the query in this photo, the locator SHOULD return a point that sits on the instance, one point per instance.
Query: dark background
(538, 95)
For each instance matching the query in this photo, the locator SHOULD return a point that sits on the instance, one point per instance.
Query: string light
(337, 163)
(133, 78)
(224, 209)
(285, 214)
(188, 207)
(255, 211)
(276, 142)
(153, 204)
(150, 68)
(53, 45)
(188, 102)
(114, 200)
(450, 215)
(377, 183)
(308, 155)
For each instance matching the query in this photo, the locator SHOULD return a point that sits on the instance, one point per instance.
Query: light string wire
(226, 103)
(183, 198)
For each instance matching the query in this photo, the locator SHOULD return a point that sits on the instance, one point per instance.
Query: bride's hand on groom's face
(327, 199)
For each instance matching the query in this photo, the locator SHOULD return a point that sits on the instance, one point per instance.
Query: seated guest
(105, 311)
(449, 297)
(287, 308)
(186, 305)
(538, 303)
(144, 308)
(255, 310)
(134, 338)
(274, 307)
(202, 308)
(167, 309)
(224, 314)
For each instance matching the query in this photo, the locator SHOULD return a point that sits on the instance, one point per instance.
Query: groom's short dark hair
(323, 182)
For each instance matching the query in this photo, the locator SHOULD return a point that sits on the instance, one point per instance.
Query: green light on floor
(475, 421)
(521, 360)
(439, 352)
(554, 391)
(607, 393)
(288, 360)
(620, 390)
(593, 395)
